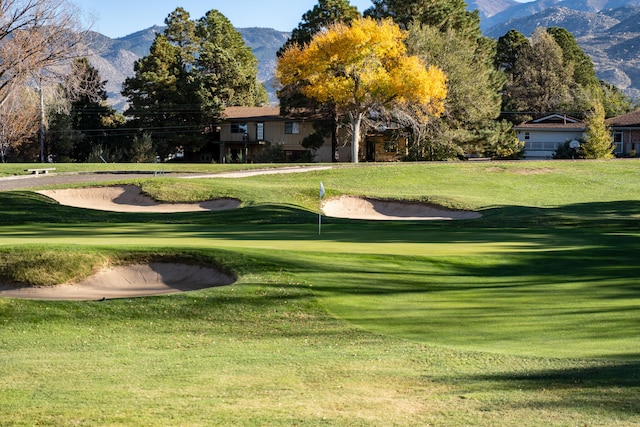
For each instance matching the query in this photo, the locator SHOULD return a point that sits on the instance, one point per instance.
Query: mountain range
(607, 30)
(115, 58)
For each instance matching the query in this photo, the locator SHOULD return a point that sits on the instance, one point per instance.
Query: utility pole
(42, 130)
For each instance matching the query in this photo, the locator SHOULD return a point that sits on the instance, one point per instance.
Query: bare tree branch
(38, 38)
(18, 121)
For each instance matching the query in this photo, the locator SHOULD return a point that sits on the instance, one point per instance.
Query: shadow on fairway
(600, 260)
(598, 387)
(18, 207)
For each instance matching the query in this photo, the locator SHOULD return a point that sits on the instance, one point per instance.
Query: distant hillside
(610, 37)
(115, 58)
(489, 8)
(578, 23)
(607, 30)
(524, 10)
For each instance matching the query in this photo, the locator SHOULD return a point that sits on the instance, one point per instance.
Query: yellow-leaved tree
(360, 68)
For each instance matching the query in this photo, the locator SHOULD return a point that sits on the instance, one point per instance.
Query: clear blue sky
(117, 18)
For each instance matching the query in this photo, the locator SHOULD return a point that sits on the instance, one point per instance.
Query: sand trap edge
(129, 198)
(352, 207)
(129, 281)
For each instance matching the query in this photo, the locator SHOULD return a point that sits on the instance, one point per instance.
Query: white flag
(321, 190)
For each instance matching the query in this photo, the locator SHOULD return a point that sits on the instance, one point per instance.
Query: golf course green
(527, 314)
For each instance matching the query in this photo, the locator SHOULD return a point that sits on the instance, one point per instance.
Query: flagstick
(320, 209)
(319, 215)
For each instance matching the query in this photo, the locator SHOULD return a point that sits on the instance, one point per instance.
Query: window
(260, 131)
(617, 137)
(391, 146)
(527, 136)
(239, 128)
(291, 127)
(541, 145)
(618, 140)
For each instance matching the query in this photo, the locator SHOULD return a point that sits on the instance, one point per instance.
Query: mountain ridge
(610, 37)
(607, 30)
(115, 58)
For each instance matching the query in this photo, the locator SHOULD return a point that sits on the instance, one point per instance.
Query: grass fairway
(527, 316)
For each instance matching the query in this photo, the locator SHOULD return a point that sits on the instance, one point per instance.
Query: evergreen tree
(62, 138)
(598, 142)
(509, 48)
(180, 32)
(584, 73)
(164, 99)
(193, 71)
(325, 13)
(226, 67)
(615, 102)
(442, 14)
(141, 149)
(540, 82)
(553, 74)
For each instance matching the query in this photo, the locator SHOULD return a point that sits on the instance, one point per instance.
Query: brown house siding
(626, 133)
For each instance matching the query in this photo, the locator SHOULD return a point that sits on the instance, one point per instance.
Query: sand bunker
(374, 209)
(129, 198)
(127, 282)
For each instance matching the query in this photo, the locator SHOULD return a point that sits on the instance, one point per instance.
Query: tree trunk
(356, 121)
(334, 135)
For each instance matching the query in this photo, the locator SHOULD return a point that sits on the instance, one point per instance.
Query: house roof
(253, 113)
(626, 120)
(553, 122)
(264, 114)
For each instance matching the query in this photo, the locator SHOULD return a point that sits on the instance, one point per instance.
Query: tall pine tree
(442, 14)
(540, 82)
(226, 66)
(193, 71)
(323, 14)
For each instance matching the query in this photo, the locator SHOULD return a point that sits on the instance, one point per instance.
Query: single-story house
(543, 135)
(385, 144)
(626, 133)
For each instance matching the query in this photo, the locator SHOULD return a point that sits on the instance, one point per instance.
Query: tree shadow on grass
(22, 207)
(601, 386)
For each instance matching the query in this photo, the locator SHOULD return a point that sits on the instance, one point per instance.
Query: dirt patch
(374, 209)
(129, 198)
(520, 171)
(128, 282)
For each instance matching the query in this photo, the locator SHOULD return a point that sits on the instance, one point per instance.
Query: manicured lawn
(10, 169)
(528, 316)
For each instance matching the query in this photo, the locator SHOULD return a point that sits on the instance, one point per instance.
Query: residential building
(626, 134)
(543, 135)
(244, 132)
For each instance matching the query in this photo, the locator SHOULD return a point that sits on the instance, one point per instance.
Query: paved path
(24, 182)
(272, 171)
